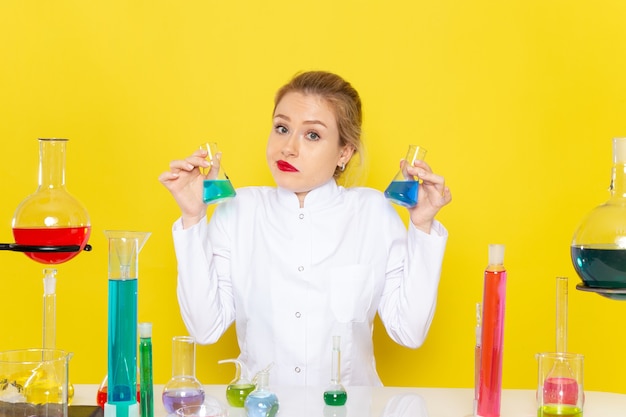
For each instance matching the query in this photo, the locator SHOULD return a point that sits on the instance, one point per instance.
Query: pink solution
(494, 297)
(560, 390)
(477, 355)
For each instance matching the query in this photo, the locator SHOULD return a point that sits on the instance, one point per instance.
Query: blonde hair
(343, 99)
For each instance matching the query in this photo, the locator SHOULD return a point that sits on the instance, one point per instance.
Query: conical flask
(51, 218)
(403, 188)
(217, 185)
(598, 249)
(124, 248)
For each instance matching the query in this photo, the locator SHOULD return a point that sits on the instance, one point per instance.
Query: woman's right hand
(185, 181)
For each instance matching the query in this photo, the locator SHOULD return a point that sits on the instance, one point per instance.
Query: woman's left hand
(431, 197)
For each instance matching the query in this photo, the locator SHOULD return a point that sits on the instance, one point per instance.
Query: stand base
(612, 293)
(121, 410)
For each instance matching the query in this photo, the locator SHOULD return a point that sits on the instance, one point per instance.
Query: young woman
(296, 264)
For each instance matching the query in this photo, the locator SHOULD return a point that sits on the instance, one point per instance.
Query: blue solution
(261, 404)
(601, 266)
(122, 383)
(217, 191)
(403, 193)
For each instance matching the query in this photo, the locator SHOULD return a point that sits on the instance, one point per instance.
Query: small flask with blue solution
(404, 187)
(217, 185)
(240, 387)
(262, 402)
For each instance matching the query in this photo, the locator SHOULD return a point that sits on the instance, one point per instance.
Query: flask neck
(618, 181)
(263, 381)
(52, 163)
(618, 178)
(335, 371)
(183, 357)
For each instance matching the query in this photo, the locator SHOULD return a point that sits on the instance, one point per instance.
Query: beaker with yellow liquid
(34, 382)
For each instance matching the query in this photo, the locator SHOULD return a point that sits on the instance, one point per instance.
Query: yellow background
(516, 101)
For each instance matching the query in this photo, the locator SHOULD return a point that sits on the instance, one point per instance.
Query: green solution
(122, 384)
(558, 410)
(236, 393)
(217, 191)
(335, 394)
(335, 397)
(145, 377)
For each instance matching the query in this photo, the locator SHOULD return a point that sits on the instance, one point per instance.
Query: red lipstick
(285, 166)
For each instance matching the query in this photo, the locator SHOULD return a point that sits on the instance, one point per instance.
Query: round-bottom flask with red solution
(51, 217)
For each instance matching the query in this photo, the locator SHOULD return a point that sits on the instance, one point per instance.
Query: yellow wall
(517, 102)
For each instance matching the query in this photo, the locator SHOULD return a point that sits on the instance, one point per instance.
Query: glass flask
(598, 249)
(241, 386)
(404, 187)
(103, 391)
(217, 186)
(183, 389)
(202, 410)
(262, 402)
(335, 393)
(51, 217)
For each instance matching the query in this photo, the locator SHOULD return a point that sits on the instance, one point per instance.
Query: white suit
(291, 278)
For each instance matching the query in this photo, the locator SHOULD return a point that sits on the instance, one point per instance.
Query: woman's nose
(290, 147)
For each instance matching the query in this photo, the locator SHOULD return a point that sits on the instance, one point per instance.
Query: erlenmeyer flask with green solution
(217, 185)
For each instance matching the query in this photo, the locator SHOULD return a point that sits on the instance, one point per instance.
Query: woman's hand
(185, 181)
(431, 197)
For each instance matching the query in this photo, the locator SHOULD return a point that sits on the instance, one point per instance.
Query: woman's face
(303, 149)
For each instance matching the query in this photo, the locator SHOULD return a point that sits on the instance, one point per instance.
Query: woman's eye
(312, 136)
(280, 129)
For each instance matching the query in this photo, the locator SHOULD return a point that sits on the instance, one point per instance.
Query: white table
(389, 402)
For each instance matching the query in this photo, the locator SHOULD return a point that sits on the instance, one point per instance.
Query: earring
(343, 166)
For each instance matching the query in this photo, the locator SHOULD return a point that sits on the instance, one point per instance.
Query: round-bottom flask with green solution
(335, 394)
(240, 387)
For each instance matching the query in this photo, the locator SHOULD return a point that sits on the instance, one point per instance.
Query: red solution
(101, 396)
(52, 236)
